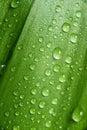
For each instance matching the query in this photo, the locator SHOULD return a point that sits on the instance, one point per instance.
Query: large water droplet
(57, 54)
(66, 27)
(33, 101)
(73, 38)
(77, 114)
(15, 3)
(45, 92)
(16, 127)
(33, 91)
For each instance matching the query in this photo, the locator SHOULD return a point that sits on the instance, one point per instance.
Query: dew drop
(40, 39)
(17, 113)
(58, 8)
(32, 67)
(33, 101)
(62, 78)
(56, 68)
(77, 114)
(47, 72)
(78, 14)
(21, 96)
(45, 92)
(25, 78)
(33, 91)
(57, 54)
(54, 101)
(42, 104)
(51, 111)
(66, 27)
(32, 111)
(6, 114)
(16, 127)
(54, 21)
(49, 44)
(12, 69)
(48, 124)
(50, 28)
(68, 60)
(73, 38)
(15, 3)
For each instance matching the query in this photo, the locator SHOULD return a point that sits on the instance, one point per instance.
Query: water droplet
(17, 113)
(54, 101)
(51, 111)
(40, 39)
(62, 78)
(77, 114)
(20, 104)
(54, 21)
(15, 93)
(78, 14)
(68, 60)
(6, 20)
(16, 127)
(49, 44)
(12, 69)
(32, 67)
(25, 78)
(47, 72)
(50, 28)
(42, 104)
(19, 47)
(73, 38)
(6, 114)
(32, 111)
(57, 54)
(21, 96)
(58, 8)
(42, 49)
(33, 129)
(45, 92)
(48, 124)
(75, 23)
(56, 68)
(58, 87)
(33, 91)
(15, 3)
(66, 27)
(33, 101)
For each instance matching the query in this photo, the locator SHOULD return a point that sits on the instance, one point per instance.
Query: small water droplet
(16, 127)
(68, 60)
(12, 69)
(54, 21)
(32, 111)
(33, 91)
(42, 49)
(47, 72)
(78, 14)
(77, 114)
(21, 96)
(56, 68)
(19, 47)
(40, 39)
(57, 54)
(32, 67)
(42, 104)
(25, 78)
(49, 44)
(54, 101)
(33, 101)
(6, 114)
(62, 78)
(45, 92)
(48, 124)
(58, 8)
(66, 27)
(17, 113)
(15, 3)
(50, 28)
(73, 38)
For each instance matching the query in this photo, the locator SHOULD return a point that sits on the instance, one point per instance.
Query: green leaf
(44, 86)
